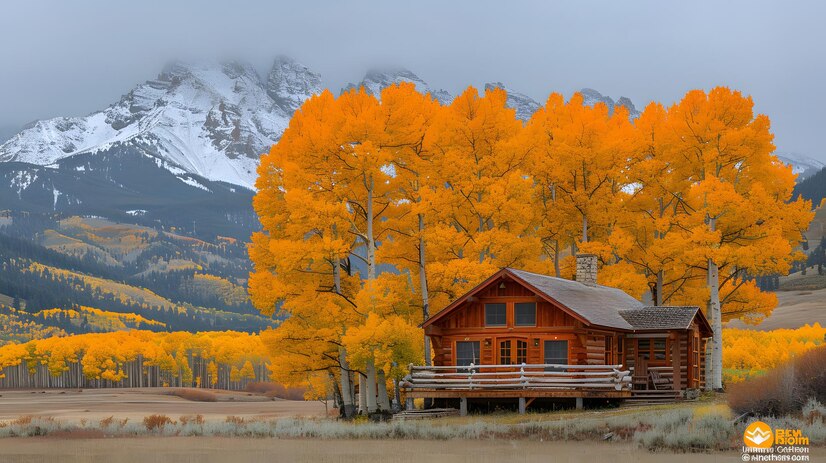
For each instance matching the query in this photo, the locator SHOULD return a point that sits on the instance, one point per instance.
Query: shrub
(193, 419)
(785, 389)
(814, 411)
(22, 420)
(195, 395)
(153, 422)
(106, 422)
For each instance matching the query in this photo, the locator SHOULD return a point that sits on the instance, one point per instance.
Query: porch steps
(652, 397)
(425, 414)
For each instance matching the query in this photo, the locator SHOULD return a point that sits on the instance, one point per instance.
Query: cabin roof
(663, 317)
(599, 305)
(592, 303)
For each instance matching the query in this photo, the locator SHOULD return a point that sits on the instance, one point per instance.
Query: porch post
(676, 357)
(463, 406)
(579, 403)
(408, 403)
(522, 406)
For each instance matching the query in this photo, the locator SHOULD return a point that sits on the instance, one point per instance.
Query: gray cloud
(70, 58)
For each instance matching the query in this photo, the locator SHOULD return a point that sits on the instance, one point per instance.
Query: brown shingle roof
(660, 317)
(600, 305)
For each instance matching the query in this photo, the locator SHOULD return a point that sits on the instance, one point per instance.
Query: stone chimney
(586, 268)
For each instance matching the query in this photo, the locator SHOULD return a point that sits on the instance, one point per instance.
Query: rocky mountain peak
(290, 83)
(378, 78)
(592, 97)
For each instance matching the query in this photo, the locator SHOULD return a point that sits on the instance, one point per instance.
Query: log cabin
(526, 336)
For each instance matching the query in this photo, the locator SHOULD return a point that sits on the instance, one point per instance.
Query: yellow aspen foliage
(377, 212)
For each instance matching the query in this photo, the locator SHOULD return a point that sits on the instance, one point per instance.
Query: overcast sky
(62, 58)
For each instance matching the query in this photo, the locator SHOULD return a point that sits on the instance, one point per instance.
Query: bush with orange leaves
(749, 353)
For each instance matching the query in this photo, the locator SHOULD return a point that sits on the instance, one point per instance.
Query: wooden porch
(525, 382)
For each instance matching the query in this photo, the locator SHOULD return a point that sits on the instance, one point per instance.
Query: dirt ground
(794, 309)
(242, 450)
(97, 404)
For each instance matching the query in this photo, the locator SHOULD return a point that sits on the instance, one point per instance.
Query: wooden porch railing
(524, 376)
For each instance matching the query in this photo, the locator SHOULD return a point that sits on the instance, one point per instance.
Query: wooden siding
(586, 345)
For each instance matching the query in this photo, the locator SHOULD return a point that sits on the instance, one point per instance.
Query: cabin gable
(470, 313)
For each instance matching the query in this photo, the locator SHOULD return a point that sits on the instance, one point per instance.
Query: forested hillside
(813, 188)
(85, 274)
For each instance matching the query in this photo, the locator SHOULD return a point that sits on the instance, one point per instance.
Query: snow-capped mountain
(592, 97)
(802, 165)
(212, 120)
(377, 79)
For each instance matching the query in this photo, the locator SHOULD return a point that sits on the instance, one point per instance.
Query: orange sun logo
(758, 435)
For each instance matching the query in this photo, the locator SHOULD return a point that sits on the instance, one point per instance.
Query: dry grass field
(801, 301)
(94, 405)
(139, 425)
(245, 450)
(794, 309)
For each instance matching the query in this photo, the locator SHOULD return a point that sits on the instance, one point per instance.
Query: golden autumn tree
(302, 256)
(478, 194)
(410, 115)
(740, 218)
(582, 153)
(648, 223)
(327, 192)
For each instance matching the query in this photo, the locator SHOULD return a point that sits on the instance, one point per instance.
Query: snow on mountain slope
(209, 119)
(377, 79)
(802, 165)
(524, 105)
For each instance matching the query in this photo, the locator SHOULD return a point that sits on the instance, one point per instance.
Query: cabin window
(659, 349)
(653, 350)
(695, 357)
(556, 353)
(496, 314)
(525, 314)
(609, 357)
(467, 352)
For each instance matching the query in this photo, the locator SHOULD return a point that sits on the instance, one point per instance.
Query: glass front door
(513, 352)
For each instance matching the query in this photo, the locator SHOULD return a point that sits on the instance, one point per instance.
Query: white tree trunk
(423, 284)
(383, 399)
(346, 390)
(347, 398)
(362, 395)
(716, 325)
(371, 241)
(370, 387)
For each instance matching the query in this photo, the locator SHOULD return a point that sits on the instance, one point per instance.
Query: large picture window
(467, 352)
(525, 313)
(496, 314)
